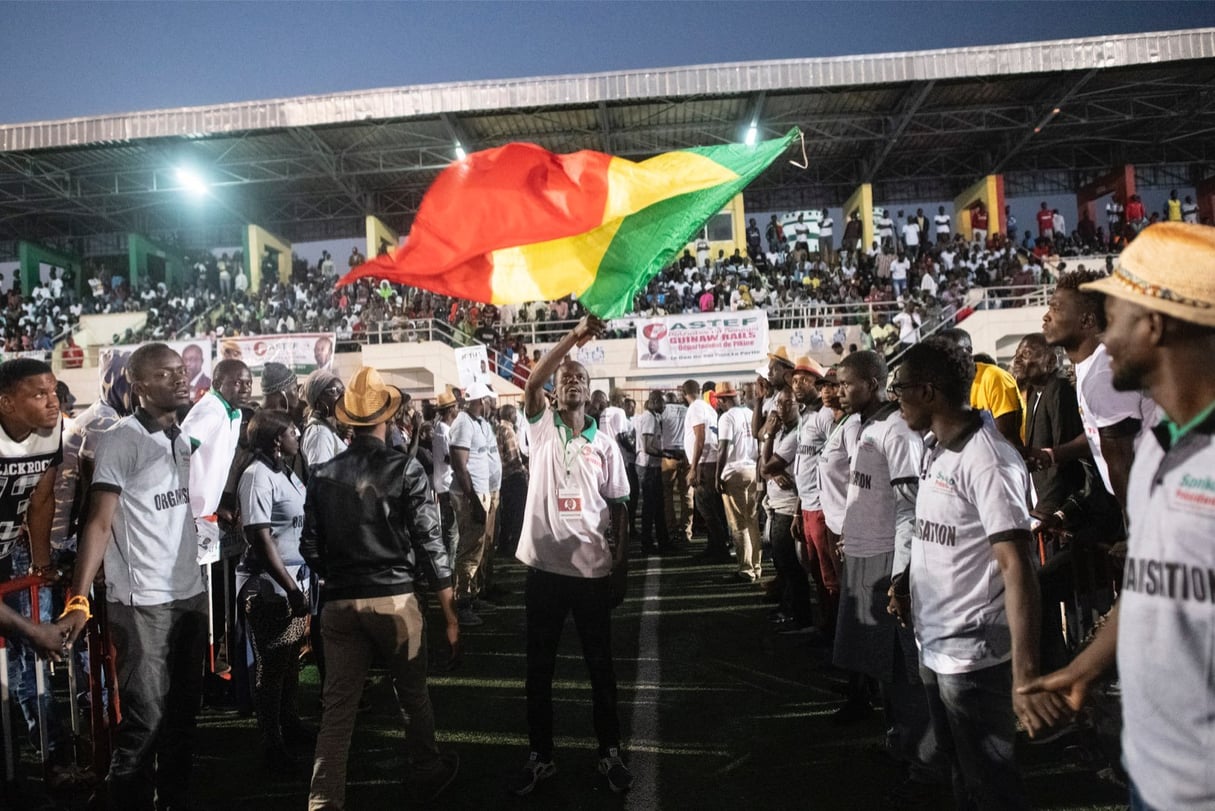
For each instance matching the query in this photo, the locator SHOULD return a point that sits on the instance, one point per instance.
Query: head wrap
(316, 383)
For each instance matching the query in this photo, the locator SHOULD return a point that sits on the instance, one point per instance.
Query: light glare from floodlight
(191, 181)
(460, 153)
(752, 135)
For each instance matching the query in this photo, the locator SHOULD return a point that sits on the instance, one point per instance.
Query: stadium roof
(919, 125)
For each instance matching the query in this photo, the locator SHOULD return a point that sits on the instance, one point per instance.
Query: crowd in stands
(915, 257)
(893, 509)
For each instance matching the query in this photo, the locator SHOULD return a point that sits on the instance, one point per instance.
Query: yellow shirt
(994, 390)
(1174, 210)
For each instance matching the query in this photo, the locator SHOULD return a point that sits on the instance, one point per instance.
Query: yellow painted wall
(987, 190)
(739, 240)
(862, 200)
(376, 231)
(257, 240)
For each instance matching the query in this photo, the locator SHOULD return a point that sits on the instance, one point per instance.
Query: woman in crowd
(275, 594)
(322, 441)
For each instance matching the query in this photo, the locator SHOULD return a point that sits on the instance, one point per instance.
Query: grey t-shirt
(153, 557)
(1166, 621)
(275, 500)
(477, 437)
(812, 435)
(971, 495)
(781, 500)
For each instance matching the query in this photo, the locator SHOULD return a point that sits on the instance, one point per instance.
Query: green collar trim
(589, 429)
(233, 413)
(1177, 432)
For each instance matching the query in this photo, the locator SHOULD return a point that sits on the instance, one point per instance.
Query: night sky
(62, 60)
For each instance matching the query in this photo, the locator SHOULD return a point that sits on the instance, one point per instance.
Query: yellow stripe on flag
(636, 186)
(550, 270)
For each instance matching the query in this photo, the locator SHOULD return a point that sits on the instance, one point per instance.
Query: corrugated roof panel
(714, 80)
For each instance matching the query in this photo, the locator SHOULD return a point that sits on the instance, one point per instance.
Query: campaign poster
(702, 339)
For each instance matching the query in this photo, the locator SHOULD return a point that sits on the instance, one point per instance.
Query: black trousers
(510, 513)
(713, 512)
(653, 522)
(795, 598)
(160, 652)
(548, 599)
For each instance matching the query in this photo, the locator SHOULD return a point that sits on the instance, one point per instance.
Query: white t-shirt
(835, 469)
(942, 223)
(215, 427)
(911, 235)
(928, 285)
(813, 430)
(701, 413)
(477, 437)
(645, 422)
(440, 452)
(785, 446)
(899, 268)
(888, 453)
(909, 327)
(735, 427)
(673, 415)
(1166, 622)
(971, 495)
(1102, 406)
(574, 479)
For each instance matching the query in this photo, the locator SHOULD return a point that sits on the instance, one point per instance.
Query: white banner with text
(702, 339)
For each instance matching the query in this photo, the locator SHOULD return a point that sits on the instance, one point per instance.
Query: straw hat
(781, 354)
(1170, 269)
(724, 389)
(808, 364)
(368, 399)
(446, 399)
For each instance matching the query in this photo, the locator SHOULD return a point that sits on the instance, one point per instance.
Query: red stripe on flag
(516, 194)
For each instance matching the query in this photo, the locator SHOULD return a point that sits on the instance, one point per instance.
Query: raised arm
(533, 392)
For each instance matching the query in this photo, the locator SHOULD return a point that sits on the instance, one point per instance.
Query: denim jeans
(23, 661)
(973, 718)
(548, 599)
(160, 651)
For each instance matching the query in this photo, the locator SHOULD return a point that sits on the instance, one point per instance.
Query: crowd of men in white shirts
(914, 521)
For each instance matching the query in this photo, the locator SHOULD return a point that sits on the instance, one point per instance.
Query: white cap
(478, 390)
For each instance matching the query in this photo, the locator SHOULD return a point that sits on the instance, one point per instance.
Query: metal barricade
(103, 693)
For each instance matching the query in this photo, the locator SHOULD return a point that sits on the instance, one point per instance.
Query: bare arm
(1072, 682)
(41, 514)
(533, 392)
(1009, 426)
(459, 470)
(90, 553)
(1023, 605)
(1118, 448)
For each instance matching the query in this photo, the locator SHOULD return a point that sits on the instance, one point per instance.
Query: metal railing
(998, 298)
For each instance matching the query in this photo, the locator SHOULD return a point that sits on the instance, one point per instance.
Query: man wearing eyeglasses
(969, 589)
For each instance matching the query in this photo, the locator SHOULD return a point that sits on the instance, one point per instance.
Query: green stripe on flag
(648, 241)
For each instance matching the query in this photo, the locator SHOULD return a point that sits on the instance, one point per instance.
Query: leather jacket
(371, 527)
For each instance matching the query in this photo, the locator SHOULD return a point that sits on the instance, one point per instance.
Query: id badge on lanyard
(569, 494)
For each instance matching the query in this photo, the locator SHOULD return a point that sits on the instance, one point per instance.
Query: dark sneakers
(533, 772)
(426, 784)
(619, 778)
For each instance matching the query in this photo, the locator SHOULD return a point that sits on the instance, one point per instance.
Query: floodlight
(752, 135)
(191, 181)
(460, 153)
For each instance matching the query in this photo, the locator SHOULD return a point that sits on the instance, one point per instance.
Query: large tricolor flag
(518, 223)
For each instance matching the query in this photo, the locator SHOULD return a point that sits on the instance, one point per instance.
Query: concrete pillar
(860, 201)
(989, 191)
(378, 232)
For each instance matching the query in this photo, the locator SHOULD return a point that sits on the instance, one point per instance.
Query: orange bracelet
(77, 603)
